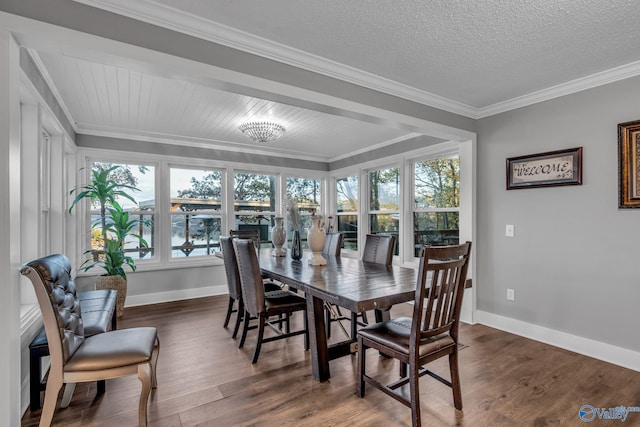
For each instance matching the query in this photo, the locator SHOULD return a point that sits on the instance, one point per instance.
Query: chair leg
(306, 331)
(239, 318)
(327, 320)
(50, 398)
(144, 375)
(360, 368)
(245, 328)
(403, 370)
(229, 311)
(455, 379)
(154, 364)
(69, 388)
(354, 325)
(256, 352)
(414, 392)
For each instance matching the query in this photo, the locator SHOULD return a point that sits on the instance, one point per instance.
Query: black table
(348, 282)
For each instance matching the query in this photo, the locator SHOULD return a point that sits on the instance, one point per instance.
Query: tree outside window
(306, 192)
(196, 212)
(143, 178)
(347, 210)
(384, 202)
(436, 202)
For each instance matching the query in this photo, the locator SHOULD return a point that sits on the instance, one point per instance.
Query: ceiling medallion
(262, 131)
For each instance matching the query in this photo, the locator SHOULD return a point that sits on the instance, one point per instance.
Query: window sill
(211, 261)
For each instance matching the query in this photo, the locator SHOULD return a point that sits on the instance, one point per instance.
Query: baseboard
(180, 294)
(598, 350)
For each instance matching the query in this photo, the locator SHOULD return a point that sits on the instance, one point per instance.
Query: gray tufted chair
(378, 248)
(333, 244)
(76, 358)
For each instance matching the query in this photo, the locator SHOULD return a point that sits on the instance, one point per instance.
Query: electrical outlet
(510, 230)
(511, 295)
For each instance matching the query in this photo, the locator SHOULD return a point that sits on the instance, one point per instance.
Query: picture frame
(629, 165)
(552, 168)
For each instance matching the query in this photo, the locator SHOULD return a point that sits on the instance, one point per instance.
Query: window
(143, 178)
(254, 203)
(384, 202)
(306, 192)
(436, 189)
(347, 210)
(44, 230)
(196, 212)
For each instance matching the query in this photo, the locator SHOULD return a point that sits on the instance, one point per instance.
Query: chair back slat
(333, 244)
(378, 248)
(439, 291)
(59, 304)
(230, 267)
(250, 276)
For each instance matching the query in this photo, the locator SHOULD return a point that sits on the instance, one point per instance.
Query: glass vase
(296, 245)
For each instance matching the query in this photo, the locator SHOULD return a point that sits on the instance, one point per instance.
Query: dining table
(347, 282)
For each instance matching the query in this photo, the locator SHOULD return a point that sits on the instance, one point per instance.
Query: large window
(196, 212)
(254, 202)
(436, 189)
(384, 202)
(143, 178)
(347, 211)
(306, 192)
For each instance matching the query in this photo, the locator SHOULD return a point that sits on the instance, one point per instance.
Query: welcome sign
(552, 168)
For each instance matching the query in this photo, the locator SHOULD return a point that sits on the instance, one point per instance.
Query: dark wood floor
(205, 380)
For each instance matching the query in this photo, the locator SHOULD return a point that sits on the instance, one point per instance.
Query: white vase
(279, 237)
(316, 237)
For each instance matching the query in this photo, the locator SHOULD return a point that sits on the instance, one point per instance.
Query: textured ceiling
(474, 52)
(470, 55)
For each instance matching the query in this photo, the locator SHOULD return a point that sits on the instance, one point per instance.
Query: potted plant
(115, 225)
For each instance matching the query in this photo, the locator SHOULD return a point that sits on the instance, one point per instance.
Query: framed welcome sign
(553, 168)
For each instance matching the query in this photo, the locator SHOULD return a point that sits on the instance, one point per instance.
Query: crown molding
(588, 82)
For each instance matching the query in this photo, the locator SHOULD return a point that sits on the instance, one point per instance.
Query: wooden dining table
(347, 282)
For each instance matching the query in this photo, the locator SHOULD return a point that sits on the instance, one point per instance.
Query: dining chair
(378, 248)
(333, 244)
(261, 306)
(332, 313)
(233, 283)
(431, 332)
(76, 358)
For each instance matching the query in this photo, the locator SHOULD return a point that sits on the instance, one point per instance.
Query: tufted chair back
(250, 276)
(378, 248)
(230, 267)
(333, 244)
(56, 293)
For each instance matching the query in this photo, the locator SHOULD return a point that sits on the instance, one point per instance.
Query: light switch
(510, 231)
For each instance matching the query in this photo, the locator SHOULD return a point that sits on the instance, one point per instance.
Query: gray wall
(572, 261)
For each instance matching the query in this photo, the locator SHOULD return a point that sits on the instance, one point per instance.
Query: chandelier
(262, 131)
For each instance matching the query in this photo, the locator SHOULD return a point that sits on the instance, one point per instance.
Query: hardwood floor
(205, 380)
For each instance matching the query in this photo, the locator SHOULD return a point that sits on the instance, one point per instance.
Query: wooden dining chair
(261, 306)
(76, 358)
(233, 283)
(431, 333)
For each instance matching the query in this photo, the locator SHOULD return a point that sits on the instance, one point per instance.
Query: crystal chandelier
(262, 131)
